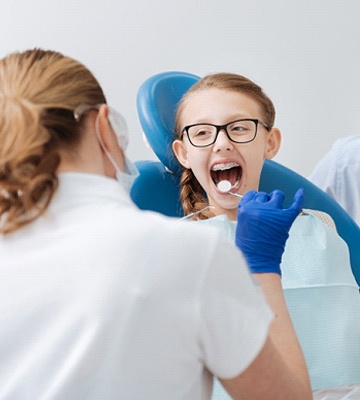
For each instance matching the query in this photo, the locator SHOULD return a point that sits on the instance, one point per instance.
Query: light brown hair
(39, 91)
(192, 195)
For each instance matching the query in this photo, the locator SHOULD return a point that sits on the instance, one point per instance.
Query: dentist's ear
(180, 152)
(104, 128)
(273, 143)
(114, 157)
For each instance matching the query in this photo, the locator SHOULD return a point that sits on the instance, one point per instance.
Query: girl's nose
(223, 142)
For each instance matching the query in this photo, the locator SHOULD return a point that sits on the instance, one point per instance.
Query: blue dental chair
(157, 100)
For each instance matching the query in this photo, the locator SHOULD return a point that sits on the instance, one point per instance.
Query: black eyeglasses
(239, 131)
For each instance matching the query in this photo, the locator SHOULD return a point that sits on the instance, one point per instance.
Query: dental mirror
(225, 186)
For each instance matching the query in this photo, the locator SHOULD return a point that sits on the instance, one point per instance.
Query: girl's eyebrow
(209, 120)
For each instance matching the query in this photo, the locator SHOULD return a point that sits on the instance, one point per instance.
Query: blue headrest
(157, 100)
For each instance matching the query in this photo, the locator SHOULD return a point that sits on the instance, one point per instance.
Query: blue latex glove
(263, 228)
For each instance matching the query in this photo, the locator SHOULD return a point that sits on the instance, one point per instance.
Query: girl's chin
(225, 207)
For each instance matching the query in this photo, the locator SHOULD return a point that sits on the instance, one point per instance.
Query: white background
(304, 53)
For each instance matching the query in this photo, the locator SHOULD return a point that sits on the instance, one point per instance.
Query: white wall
(305, 54)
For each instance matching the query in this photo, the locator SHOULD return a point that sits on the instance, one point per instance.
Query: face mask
(127, 177)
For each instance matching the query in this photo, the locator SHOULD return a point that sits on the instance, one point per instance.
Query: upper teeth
(223, 166)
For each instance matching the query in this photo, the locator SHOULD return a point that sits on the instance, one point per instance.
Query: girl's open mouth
(230, 171)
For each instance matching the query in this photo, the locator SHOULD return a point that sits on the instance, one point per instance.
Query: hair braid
(192, 196)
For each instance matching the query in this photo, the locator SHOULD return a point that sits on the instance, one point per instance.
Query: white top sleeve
(337, 173)
(232, 339)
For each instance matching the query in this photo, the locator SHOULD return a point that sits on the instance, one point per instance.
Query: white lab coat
(99, 300)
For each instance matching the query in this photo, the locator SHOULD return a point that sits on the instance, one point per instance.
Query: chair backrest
(157, 187)
(157, 100)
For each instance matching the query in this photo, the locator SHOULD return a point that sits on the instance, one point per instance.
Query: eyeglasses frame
(224, 128)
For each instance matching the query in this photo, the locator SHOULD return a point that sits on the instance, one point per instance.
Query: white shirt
(99, 300)
(338, 174)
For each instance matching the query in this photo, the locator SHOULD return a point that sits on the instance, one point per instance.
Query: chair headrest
(157, 100)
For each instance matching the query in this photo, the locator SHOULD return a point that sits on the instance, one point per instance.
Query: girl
(225, 130)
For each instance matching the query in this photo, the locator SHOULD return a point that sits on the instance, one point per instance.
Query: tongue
(227, 175)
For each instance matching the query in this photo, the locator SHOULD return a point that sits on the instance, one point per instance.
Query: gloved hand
(263, 228)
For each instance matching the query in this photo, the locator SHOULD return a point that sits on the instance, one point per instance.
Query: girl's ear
(181, 153)
(273, 143)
